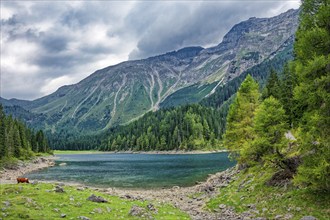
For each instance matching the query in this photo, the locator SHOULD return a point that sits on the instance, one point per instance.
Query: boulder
(137, 211)
(98, 199)
(59, 189)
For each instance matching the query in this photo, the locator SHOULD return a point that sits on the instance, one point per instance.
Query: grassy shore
(40, 201)
(77, 152)
(249, 192)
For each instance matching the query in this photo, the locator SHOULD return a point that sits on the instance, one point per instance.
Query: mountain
(123, 93)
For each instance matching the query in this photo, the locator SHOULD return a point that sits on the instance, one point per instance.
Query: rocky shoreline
(9, 175)
(191, 200)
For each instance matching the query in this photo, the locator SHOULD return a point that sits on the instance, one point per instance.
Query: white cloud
(47, 44)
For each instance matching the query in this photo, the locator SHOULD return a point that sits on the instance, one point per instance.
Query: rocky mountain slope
(122, 93)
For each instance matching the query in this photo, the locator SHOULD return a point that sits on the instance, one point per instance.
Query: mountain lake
(134, 170)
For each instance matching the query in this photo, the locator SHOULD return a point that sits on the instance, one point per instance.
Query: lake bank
(9, 175)
(191, 200)
(59, 152)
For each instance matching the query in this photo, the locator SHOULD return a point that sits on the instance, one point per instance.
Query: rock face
(121, 93)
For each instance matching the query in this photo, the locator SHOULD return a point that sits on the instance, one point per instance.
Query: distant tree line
(18, 141)
(188, 127)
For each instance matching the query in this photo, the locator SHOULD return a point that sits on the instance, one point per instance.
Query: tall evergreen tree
(272, 87)
(240, 119)
(270, 124)
(3, 149)
(312, 95)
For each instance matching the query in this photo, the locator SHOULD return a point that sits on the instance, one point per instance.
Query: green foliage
(272, 87)
(240, 119)
(191, 127)
(270, 125)
(251, 187)
(303, 99)
(18, 141)
(312, 94)
(28, 201)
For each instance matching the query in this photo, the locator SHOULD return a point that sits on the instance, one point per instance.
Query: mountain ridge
(123, 92)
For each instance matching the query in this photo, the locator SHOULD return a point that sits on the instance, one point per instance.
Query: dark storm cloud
(46, 44)
(172, 25)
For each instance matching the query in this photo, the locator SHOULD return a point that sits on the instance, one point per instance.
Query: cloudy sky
(48, 44)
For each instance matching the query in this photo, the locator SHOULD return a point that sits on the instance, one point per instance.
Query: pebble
(308, 218)
(63, 215)
(222, 206)
(83, 218)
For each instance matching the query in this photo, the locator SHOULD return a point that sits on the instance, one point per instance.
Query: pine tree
(270, 125)
(240, 119)
(3, 148)
(272, 87)
(312, 95)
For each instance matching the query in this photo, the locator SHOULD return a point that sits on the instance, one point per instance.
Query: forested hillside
(149, 132)
(18, 141)
(298, 101)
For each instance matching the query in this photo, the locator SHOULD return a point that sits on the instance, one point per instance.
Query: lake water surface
(134, 170)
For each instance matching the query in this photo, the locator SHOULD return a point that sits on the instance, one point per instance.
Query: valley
(239, 130)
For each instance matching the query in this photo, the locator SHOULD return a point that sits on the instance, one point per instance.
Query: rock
(137, 211)
(62, 164)
(108, 209)
(278, 217)
(35, 182)
(80, 188)
(251, 206)
(264, 209)
(222, 206)
(151, 207)
(298, 209)
(83, 218)
(308, 218)
(97, 210)
(63, 215)
(176, 187)
(56, 210)
(59, 189)
(6, 203)
(95, 198)
(288, 216)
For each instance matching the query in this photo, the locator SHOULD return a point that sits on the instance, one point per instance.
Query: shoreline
(142, 152)
(191, 199)
(9, 175)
